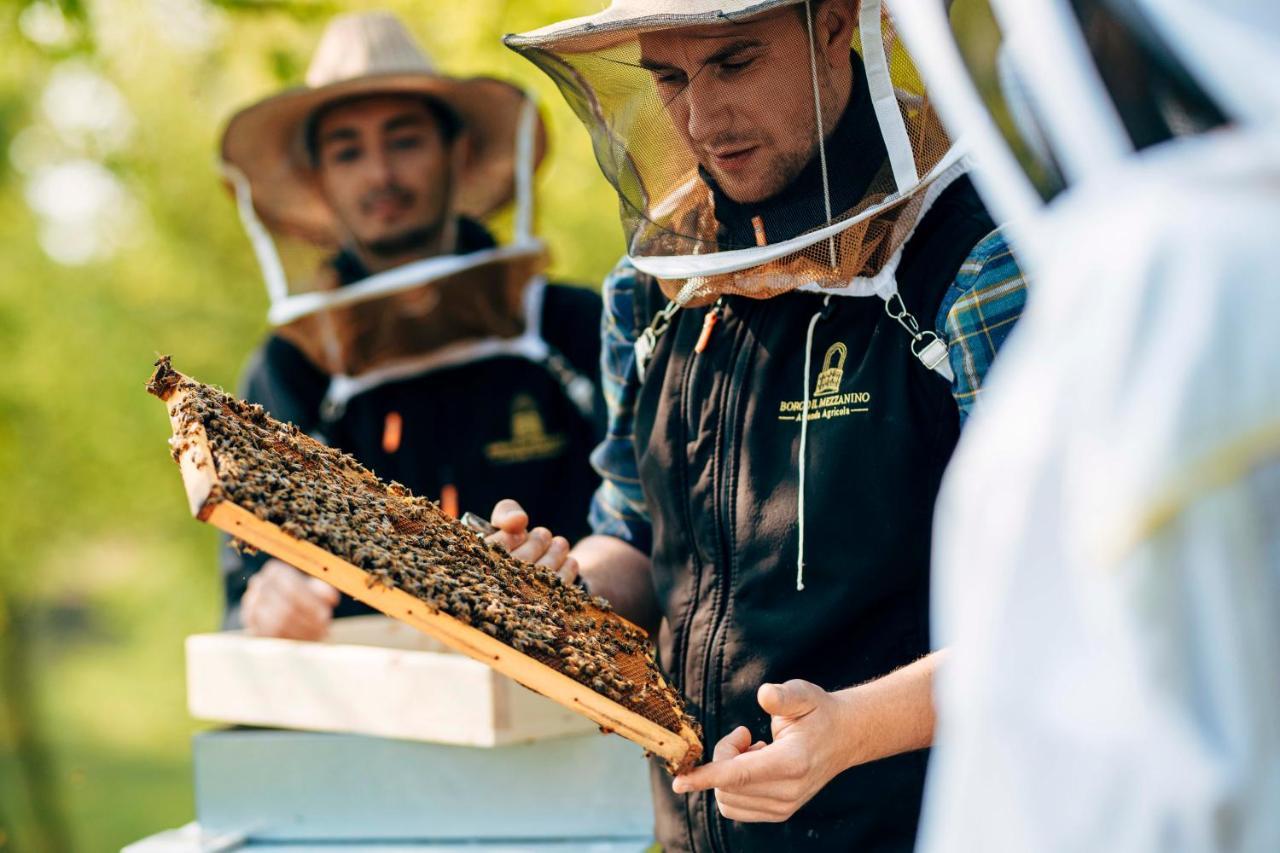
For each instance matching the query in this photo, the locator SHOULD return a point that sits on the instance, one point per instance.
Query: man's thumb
(793, 699)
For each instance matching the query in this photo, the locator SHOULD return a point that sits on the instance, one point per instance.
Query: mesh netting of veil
(709, 132)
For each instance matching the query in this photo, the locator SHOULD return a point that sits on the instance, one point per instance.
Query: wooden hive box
(371, 676)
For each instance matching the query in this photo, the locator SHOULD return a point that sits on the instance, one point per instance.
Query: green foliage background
(102, 572)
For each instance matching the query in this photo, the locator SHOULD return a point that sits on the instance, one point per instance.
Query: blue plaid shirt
(976, 315)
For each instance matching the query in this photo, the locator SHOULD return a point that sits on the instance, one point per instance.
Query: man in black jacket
(436, 357)
(812, 296)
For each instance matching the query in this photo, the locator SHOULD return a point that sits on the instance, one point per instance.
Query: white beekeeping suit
(1108, 542)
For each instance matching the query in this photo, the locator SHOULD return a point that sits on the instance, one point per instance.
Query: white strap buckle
(926, 345)
(648, 340)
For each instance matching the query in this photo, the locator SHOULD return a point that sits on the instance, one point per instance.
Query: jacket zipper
(721, 458)
(682, 469)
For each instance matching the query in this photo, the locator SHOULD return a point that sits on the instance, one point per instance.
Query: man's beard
(411, 241)
(419, 239)
(782, 172)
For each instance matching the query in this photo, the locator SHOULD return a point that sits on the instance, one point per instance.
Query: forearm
(892, 714)
(619, 573)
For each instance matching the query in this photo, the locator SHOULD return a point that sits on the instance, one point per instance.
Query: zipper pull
(757, 225)
(449, 500)
(709, 325)
(392, 431)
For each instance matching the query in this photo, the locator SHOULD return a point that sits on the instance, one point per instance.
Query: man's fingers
(558, 560)
(735, 773)
(759, 808)
(512, 523)
(302, 599)
(556, 553)
(277, 618)
(295, 618)
(738, 816)
(303, 627)
(757, 811)
(323, 591)
(757, 771)
(509, 517)
(733, 744)
(281, 601)
(535, 546)
(508, 542)
(569, 570)
(795, 698)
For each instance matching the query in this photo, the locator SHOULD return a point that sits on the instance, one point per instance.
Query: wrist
(852, 715)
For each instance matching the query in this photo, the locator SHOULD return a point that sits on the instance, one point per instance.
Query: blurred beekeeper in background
(403, 333)
(1108, 538)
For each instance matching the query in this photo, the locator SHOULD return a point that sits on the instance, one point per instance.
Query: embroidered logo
(832, 370)
(529, 438)
(827, 401)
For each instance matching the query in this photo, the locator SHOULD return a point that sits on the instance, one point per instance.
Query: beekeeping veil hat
(371, 54)
(737, 167)
(1051, 93)
(354, 327)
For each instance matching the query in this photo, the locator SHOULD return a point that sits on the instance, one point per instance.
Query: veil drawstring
(804, 439)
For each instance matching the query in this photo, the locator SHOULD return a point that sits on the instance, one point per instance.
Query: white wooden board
(373, 676)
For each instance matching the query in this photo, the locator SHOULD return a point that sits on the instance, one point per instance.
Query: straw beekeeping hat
(371, 54)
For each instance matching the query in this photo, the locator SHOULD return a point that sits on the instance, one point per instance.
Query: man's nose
(378, 168)
(710, 113)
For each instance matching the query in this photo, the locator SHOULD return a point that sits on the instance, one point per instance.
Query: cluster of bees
(323, 496)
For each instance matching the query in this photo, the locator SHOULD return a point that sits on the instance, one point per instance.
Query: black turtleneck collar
(472, 237)
(855, 153)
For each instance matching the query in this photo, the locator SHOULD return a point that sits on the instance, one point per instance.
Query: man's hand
(283, 602)
(533, 546)
(816, 735)
(769, 782)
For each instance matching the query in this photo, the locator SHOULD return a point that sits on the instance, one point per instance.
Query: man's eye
(346, 155)
(671, 79)
(736, 65)
(406, 143)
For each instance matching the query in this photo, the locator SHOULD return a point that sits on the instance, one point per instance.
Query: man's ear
(834, 23)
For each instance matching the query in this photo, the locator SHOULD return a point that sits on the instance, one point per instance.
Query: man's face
(385, 169)
(741, 95)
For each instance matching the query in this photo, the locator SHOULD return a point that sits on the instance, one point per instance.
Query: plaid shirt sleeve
(977, 314)
(618, 509)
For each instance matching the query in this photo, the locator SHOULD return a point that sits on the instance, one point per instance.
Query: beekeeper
(1108, 541)
(402, 332)
(812, 296)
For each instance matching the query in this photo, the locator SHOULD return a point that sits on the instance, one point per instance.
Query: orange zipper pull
(392, 430)
(449, 500)
(708, 326)
(757, 225)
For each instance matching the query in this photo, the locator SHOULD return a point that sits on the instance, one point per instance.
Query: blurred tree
(30, 817)
(119, 241)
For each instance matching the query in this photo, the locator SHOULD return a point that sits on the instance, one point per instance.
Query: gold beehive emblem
(832, 370)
